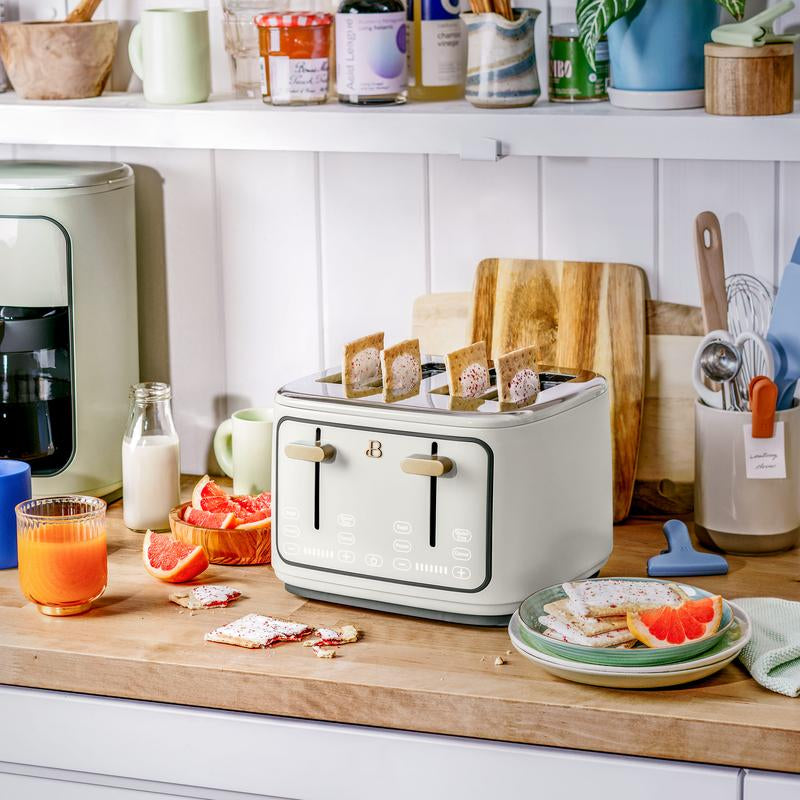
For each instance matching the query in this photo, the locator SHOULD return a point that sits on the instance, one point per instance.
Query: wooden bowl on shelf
(58, 60)
(224, 546)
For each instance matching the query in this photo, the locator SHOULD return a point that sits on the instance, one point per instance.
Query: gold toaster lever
(429, 466)
(310, 452)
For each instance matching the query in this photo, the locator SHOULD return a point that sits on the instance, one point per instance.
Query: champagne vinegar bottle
(437, 50)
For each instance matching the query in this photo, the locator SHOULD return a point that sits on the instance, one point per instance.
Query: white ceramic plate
(732, 644)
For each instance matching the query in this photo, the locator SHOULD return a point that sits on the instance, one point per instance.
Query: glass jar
(295, 56)
(151, 472)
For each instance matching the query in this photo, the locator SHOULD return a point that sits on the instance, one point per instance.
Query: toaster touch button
(462, 535)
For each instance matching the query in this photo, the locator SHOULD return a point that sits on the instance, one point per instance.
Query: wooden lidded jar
(749, 81)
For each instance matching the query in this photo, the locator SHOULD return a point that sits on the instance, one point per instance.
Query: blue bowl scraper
(680, 558)
(784, 331)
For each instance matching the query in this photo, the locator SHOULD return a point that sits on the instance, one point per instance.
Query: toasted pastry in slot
(518, 377)
(361, 363)
(401, 367)
(468, 371)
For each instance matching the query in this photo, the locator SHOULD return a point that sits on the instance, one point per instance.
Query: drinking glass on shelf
(241, 44)
(61, 544)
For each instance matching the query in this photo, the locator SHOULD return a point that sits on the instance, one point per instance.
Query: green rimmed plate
(532, 633)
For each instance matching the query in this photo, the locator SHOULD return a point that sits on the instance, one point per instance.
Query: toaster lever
(316, 453)
(428, 466)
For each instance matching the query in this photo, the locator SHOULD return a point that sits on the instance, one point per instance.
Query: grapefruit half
(673, 625)
(172, 561)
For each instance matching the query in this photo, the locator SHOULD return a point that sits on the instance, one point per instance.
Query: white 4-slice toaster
(438, 506)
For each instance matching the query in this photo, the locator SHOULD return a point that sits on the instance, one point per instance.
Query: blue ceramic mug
(15, 486)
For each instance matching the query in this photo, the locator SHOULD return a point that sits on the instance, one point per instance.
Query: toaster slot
(318, 434)
(316, 453)
(432, 511)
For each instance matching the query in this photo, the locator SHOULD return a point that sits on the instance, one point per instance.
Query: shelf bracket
(483, 149)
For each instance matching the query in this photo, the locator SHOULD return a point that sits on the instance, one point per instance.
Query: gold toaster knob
(428, 466)
(310, 452)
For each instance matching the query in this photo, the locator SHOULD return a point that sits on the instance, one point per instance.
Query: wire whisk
(749, 309)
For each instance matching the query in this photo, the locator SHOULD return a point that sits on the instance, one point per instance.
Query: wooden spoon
(84, 11)
(711, 271)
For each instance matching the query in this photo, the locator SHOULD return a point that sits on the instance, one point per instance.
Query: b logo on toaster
(374, 450)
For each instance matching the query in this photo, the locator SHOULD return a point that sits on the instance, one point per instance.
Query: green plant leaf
(594, 17)
(734, 7)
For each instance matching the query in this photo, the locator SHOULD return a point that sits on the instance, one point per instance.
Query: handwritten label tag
(765, 458)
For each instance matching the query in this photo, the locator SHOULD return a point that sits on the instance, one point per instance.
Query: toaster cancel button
(462, 573)
(461, 553)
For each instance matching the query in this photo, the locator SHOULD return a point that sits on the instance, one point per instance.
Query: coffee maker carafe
(68, 327)
(36, 387)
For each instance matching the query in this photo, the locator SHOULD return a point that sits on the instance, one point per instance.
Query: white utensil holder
(733, 512)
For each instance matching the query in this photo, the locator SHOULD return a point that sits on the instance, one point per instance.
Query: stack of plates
(637, 668)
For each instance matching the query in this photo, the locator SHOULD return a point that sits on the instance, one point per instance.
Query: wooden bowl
(224, 546)
(58, 60)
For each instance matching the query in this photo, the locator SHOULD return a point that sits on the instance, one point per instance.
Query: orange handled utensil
(763, 400)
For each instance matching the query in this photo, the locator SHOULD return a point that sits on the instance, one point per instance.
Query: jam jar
(295, 55)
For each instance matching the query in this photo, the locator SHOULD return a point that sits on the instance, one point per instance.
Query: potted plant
(655, 47)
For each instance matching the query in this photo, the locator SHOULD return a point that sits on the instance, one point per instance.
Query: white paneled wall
(255, 267)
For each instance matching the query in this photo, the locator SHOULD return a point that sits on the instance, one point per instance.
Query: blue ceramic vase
(658, 45)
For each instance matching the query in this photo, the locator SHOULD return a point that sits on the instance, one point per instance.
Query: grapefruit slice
(205, 488)
(255, 524)
(673, 625)
(172, 561)
(209, 519)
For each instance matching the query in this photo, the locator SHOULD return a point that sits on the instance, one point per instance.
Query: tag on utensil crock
(765, 458)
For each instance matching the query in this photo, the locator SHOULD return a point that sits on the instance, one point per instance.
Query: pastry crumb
(509, 652)
(323, 652)
(498, 662)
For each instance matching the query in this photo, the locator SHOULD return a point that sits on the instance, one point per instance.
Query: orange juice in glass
(62, 552)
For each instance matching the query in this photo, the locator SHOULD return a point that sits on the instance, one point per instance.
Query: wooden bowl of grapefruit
(232, 529)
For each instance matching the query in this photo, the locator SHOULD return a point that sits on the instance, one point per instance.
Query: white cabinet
(203, 753)
(771, 785)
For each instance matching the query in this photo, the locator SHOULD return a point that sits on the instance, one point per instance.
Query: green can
(572, 80)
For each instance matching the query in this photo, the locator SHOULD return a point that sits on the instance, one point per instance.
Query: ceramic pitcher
(501, 60)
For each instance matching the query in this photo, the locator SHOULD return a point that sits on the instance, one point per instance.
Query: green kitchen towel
(773, 654)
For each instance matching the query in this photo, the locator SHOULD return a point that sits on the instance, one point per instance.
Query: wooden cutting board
(578, 314)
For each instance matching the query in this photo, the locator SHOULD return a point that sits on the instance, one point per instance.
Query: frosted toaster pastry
(570, 633)
(589, 626)
(518, 377)
(206, 596)
(401, 367)
(256, 630)
(361, 363)
(468, 371)
(609, 597)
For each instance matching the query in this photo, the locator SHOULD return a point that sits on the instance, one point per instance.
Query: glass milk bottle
(150, 459)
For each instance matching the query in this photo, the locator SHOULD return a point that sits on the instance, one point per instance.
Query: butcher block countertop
(405, 673)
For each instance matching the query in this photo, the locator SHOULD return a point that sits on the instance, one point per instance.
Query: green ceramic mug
(243, 448)
(170, 51)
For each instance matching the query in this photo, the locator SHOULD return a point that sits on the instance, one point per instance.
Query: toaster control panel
(395, 506)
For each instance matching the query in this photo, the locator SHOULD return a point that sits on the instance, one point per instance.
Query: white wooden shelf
(225, 123)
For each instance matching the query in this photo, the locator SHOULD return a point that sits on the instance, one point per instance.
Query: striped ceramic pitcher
(501, 60)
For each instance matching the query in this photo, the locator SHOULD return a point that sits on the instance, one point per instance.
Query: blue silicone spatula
(784, 331)
(680, 558)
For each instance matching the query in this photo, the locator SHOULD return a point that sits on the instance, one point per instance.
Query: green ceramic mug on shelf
(170, 51)
(243, 449)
